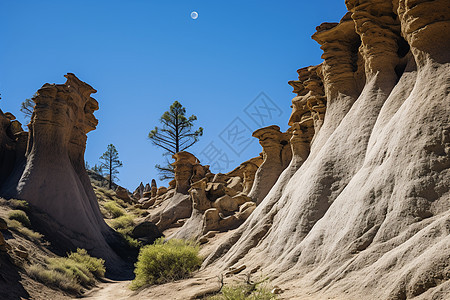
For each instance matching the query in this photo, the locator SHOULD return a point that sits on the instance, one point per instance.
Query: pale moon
(194, 15)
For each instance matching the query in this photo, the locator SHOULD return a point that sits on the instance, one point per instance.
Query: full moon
(194, 15)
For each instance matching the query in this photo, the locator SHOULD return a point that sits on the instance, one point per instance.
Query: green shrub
(21, 216)
(17, 226)
(244, 292)
(69, 273)
(166, 261)
(123, 222)
(114, 209)
(54, 279)
(94, 265)
(19, 204)
(72, 269)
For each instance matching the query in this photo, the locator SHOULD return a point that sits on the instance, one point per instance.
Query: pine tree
(110, 162)
(175, 135)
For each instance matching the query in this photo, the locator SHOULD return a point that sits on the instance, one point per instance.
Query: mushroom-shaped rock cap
(344, 30)
(184, 157)
(272, 131)
(73, 81)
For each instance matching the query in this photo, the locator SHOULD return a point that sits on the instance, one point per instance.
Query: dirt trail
(116, 290)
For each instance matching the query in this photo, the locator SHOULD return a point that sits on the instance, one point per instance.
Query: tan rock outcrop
(183, 167)
(161, 190)
(366, 214)
(340, 42)
(139, 192)
(379, 31)
(425, 26)
(54, 181)
(276, 155)
(154, 189)
(122, 193)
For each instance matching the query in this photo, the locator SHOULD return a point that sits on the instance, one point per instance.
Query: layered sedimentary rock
(183, 167)
(276, 156)
(219, 202)
(366, 215)
(54, 180)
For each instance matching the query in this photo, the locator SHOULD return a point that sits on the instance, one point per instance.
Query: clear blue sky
(143, 55)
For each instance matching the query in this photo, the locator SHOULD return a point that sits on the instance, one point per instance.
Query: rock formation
(139, 192)
(54, 180)
(183, 167)
(13, 142)
(154, 189)
(219, 202)
(122, 193)
(366, 215)
(276, 156)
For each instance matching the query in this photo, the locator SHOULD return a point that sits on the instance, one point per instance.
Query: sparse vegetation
(54, 279)
(19, 204)
(20, 216)
(166, 261)
(17, 226)
(242, 292)
(123, 224)
(70, 273)
(245, 291)
(114, 209)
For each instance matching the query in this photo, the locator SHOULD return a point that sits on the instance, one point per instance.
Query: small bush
(21, 216)
(123, 222)
(94, 265)
(69, 273)
(114, 209)
(54, 279)
(17, 226)
(166, 261)
(19, 204)
(72, 269)
(244, 292)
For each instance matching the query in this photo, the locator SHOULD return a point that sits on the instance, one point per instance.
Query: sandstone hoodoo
(366, 214)
(351, 201)
(54, 180)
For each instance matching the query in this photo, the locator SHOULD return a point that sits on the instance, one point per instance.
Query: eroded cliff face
(366, 214)
(53, 178)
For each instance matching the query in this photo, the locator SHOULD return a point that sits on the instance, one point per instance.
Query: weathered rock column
(273, 141)
(183, 166)
(54, 181)
(340, 43)
(249, 169)
(425, 25)
(379, 30)
(154, 189)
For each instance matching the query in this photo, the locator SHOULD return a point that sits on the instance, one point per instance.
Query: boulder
(161, 191)
(146, 232)
(122, 193)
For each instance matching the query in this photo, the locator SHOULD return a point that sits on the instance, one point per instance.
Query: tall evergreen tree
(175, 135)
(110, 162)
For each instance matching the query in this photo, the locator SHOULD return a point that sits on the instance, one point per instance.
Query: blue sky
(143, 55)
